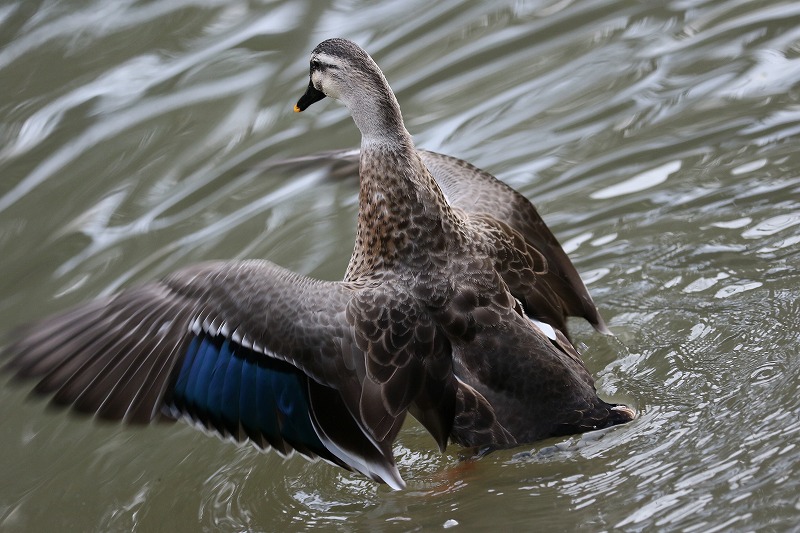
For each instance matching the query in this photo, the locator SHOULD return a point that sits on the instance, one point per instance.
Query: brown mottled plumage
(425, 321)
(529, 258)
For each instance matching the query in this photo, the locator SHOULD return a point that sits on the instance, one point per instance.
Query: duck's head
(342, 70)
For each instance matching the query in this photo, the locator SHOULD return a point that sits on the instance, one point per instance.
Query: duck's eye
(315, 64)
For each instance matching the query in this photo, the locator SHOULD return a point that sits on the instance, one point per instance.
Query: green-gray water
(658, 139)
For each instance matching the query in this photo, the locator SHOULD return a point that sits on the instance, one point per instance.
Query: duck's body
(530, 259)
(425, 321)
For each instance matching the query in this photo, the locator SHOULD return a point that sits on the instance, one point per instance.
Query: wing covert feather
(557, 291)
(124, 357)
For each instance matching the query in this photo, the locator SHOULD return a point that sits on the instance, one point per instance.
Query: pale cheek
(330, 89)
(316, 81)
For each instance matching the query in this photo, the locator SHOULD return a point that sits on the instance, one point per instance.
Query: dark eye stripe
(318, 65)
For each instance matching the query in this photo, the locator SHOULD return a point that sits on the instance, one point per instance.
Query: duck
(555, 293)
(424, 322)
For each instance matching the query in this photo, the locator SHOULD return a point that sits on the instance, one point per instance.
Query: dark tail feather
(619, 414)
(599, 417)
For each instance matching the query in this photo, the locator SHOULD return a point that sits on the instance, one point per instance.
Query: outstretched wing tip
(601, 327)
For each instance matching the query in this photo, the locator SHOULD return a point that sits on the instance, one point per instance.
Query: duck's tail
(601, 416)
(619, 414)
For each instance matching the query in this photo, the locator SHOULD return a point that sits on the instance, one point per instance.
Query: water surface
(658, 139)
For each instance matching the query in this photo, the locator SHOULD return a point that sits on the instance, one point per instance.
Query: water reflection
(658, 140)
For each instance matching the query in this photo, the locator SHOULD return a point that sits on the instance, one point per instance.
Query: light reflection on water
(658, 140)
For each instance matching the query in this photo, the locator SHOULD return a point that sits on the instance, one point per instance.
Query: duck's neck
(404, 221)
(374, 107)
(381, 125)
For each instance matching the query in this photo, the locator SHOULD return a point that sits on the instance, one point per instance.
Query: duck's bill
(312, 95)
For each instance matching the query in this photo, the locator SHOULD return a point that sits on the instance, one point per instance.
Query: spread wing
(478, 192)
(253, 351)
(530, 259)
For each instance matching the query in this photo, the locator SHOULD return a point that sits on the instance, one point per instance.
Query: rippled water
(659, 140)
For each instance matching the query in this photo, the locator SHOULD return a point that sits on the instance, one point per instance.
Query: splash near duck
(453, 308)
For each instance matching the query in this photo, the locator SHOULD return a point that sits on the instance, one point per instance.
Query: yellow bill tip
(297, 109)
